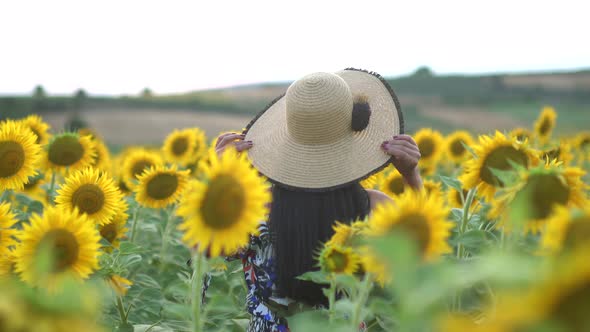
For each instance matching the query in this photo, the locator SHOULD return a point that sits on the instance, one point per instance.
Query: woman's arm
(406, 155)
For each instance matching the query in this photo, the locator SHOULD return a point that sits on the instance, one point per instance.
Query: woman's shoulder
(376, 197)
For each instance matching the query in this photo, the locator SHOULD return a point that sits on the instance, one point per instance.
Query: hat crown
(319, 109)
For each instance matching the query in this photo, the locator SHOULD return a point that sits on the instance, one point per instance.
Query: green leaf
(457, 215)
(451, 182)
(319, 277)
(473, 239)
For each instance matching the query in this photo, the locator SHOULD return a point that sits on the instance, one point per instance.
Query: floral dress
(260, 273)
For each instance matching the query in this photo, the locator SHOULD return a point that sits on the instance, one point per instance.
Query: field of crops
(92, 241)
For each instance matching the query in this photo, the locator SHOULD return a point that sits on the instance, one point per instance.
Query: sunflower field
(497, 239)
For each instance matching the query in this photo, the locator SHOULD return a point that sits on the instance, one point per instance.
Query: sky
(118, 47)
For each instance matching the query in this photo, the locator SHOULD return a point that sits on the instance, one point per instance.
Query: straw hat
(326, 131)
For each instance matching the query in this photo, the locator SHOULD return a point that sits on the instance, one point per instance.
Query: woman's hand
(406, 154)
(231, 139)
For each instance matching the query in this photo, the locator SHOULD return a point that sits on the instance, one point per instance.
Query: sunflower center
(338, 261)
(546, 190)
(179, 146)
(63, 246)
(109, 232)
(89, 198)
(545, 127)
(65, 151)
(552, 154)
(12, 158)
(415, 226)
(223, 203)
(426, 146)
(499, 159)
(578, 232)
(396, 185)
(457, 148)
(162, 186)
(139, 166)
(572, 309)
(585, 142)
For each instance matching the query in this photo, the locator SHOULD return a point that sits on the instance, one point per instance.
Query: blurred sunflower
(561, 152)
(421, 217)
(545, 124)
(374, 265)
(93, 193)
(58, 244)
(539, 190)
(373, 181)
(7, 231)
(102, 159)
(161, 186)
(431, 145)
(495, 153)
(344, 233)
(135, 162)
(38, 127)
(19, 155)
(566, 230)
(456, 199)
(33, 188)
(455, 146)
(521, 134)
(582, 141)
(339, 259)
(185, 146)
(114, 230)
(71, 152)
(432, 187)
(119, 284)
(393, 184)
(225, 207)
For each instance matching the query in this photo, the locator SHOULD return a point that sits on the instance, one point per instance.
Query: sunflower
(222, 209)
(161, 186)
(344, 233)
(38, 127)
(119, 284)
(521, 134)
(102, 159)
(69, 151)
(545, 124)
(371, 263)
(539, 190)
(566, 230)
(561, 152)
(7, 231)
(57, 245)
(431, 144)
(432, 187)
(135, 162)
(114, 230)
(582, 141)
(455, 146)
(393, 184)
(495, 152)
(421, 217)
(373, 181)
(93, 193)
(339, 259)
(19, 155)
(185, 146)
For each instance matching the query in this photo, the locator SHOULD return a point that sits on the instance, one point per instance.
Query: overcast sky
(122, 46)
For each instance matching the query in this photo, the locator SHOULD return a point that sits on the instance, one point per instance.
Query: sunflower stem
(196, 293)
(121, 310)
(166, 236)
(332, 298)
(362, 295)
(465, 220)
(136, 214)
(51, 188)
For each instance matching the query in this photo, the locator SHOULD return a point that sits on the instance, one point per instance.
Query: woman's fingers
(406, 138)
(243, 145)
(405, 144)
(228, 138)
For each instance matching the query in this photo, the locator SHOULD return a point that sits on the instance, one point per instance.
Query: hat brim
(326, 167)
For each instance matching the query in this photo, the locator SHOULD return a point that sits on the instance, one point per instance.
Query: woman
(315, 144)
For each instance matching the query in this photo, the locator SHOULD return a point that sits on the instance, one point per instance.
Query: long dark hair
(299, 223)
